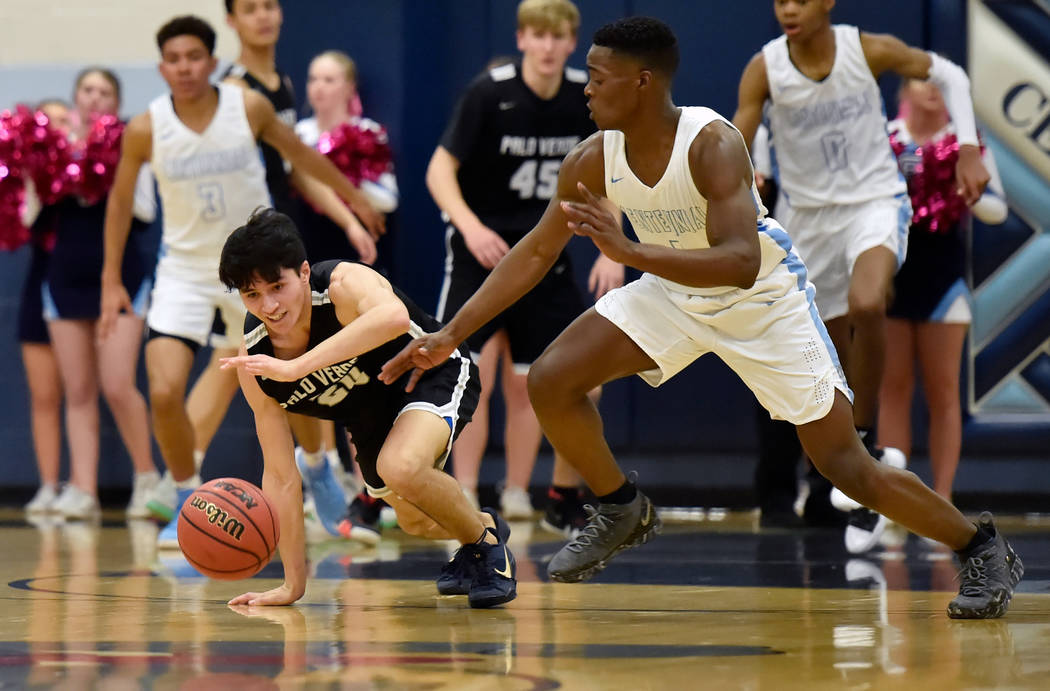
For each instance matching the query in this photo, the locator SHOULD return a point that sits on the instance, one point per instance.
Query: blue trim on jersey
(954, 292)
(904, 214)
(796, 266)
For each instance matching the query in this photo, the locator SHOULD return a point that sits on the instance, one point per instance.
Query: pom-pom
(13, 233)
(98, 159)
(360, 152)
(47, 158)
(935, 201)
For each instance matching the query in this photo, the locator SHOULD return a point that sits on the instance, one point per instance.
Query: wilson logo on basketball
(246, 499)
(227, 523)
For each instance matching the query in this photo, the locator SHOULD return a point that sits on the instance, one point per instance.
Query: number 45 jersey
(828, 139)
(350, 392)
(209, 182)
(510, 144)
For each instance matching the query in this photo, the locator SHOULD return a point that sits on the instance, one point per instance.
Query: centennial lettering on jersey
(678, 221)
(209, 163)
(845, 109)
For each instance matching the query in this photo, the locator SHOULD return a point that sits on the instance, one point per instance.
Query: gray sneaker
(988, 578)
(611, 528)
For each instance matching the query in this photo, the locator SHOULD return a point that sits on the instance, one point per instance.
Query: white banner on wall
(1013, 84)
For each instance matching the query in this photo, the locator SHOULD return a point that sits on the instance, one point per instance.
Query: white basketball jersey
(673, 213)
(828, 138)
(209, 183)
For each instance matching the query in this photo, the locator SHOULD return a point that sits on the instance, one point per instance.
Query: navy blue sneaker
(458, 573)
(494, 575)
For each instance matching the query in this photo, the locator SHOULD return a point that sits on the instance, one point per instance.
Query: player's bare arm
(367, 306)
(484, 243)
(136, 150)
(722, 174)
(751, 97)
(517, 273)
(886, 53)
(264, 123)
(283, 485)
(328, 202)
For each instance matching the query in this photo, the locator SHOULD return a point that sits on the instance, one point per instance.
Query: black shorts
(450, 391)
(934, 268)
(532, 322)
(31, 325)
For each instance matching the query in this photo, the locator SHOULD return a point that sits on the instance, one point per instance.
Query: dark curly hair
(647, 40)
(263, 247)
(187, 25)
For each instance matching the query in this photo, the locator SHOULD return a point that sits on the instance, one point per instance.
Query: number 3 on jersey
(536, 179)
(214, 208)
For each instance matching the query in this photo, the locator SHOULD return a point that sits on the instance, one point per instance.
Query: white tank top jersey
(828, 138)
(209, 183)
(673, 213)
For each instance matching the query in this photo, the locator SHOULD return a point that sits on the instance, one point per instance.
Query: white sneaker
(76, 504)
(160, 500)
(43, 501)
(516, 504)
(140, 494)
(892, 457)
(864, 529)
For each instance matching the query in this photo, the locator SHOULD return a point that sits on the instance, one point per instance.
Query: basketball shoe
(610, 529)
(140, 492)
(325, 488)
(458, 573)
(168, 538)
(564, 513)
(988, 576)
(495, 573)
(160, 501)
(362, 520)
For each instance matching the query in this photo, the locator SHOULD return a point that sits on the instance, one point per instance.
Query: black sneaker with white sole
(458, 573)
(863, 530)
(495, 575)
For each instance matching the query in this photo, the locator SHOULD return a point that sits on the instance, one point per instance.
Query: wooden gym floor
(714, 602)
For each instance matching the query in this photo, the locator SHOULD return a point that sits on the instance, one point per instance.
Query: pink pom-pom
(359, 152)
(99, 157)
(13, 233)
(936, 204)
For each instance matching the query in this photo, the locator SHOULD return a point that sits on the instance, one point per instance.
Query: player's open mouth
(276, 317)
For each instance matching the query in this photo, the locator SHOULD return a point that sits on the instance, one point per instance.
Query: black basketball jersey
(283, 100)
(510, 144)
(350, 391)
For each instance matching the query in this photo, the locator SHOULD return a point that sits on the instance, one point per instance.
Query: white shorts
(769, 334)
(184, 303)
(830, 238)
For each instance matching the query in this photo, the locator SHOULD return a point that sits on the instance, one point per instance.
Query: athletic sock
(558, 493)
(314, 459)
(624, 495)
(192, 482)
(198, 459)
(979, 538)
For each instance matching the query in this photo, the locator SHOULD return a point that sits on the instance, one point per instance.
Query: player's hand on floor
(591, 219)
(282, 595)
(487, 246)
(263, 366)
(419, 355)
(605, 275)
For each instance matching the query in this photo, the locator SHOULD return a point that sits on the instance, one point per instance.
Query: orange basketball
(228, 529)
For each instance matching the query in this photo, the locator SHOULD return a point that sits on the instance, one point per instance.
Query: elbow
(748, 267)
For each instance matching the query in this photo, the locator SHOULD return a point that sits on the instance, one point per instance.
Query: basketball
(228, 529)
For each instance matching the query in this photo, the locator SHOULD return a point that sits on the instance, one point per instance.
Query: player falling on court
(719, 276)
(315, 339)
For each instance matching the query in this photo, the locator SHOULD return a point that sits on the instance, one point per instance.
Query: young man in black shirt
(492, 176)
(315, 339)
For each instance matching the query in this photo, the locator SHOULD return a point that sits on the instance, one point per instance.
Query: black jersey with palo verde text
(510, 143)
(349, 391)
(283, 101)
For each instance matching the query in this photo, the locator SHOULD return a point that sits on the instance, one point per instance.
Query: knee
(117, 391)
(549, 383)
(164, 398)
(867, 306)
(400, 475)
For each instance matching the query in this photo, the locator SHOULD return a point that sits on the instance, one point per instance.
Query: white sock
(192, 482)
(314, 458)
(198, 458)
